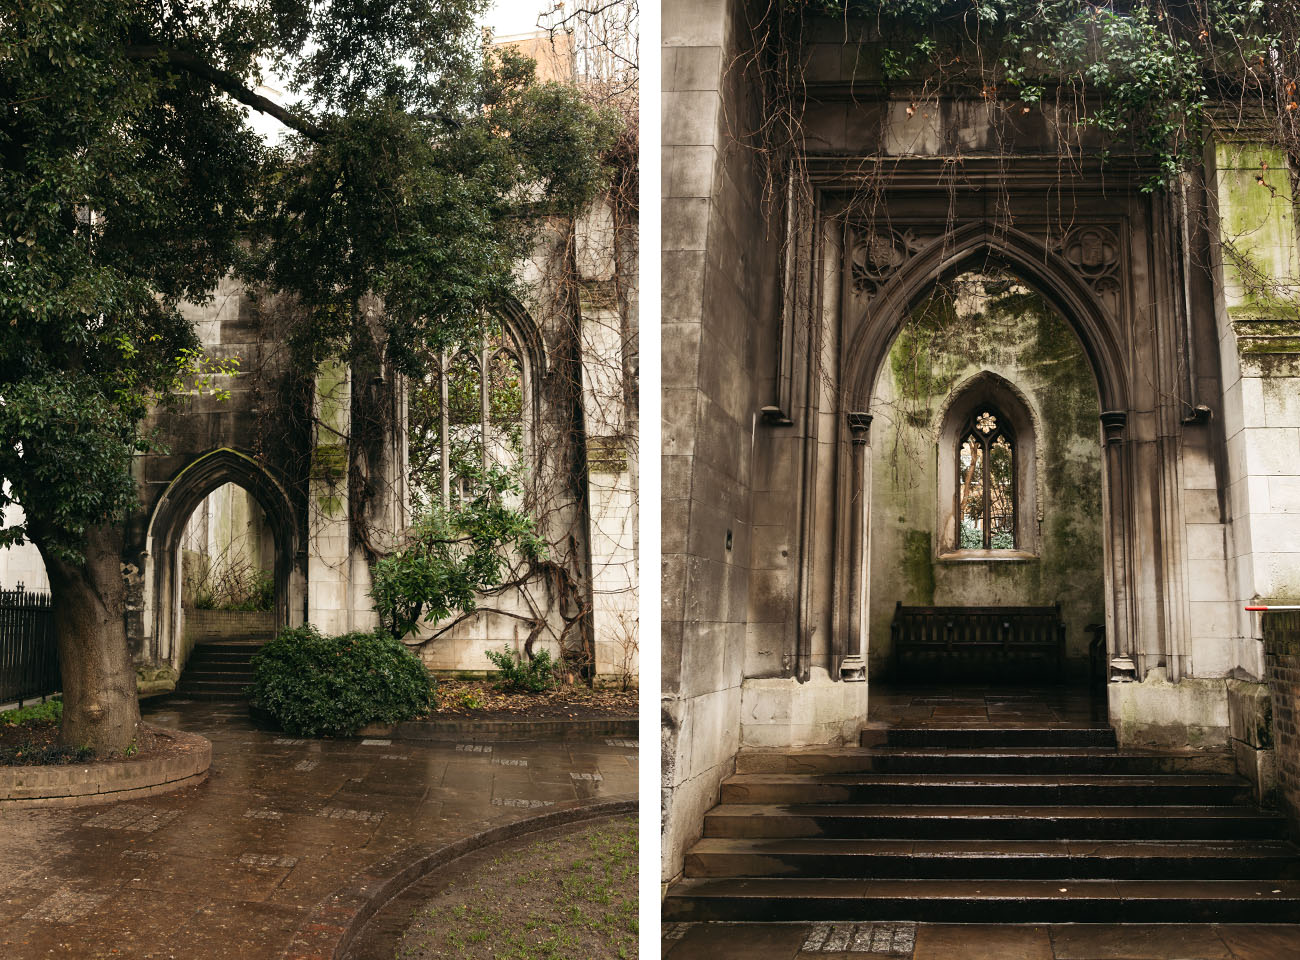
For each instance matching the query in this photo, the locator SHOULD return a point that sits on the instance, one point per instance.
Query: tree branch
(228, 83)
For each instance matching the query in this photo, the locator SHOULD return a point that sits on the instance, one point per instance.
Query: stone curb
(328, 932)
(108, 782)
(462, 730)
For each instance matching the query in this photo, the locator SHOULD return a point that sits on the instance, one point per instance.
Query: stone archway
(870, 327)
(186, 490)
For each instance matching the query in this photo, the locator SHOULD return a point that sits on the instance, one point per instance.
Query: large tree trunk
(100, 707)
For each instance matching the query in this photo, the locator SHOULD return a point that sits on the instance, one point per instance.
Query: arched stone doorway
(164, 575)
(986, 472)
(872, 325)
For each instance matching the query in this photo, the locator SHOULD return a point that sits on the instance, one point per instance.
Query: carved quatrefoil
(877, 253)
(1094, 253)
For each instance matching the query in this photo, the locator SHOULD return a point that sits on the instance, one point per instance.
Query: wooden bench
(989, 644)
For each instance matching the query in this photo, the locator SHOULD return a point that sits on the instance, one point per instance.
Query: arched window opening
(467, 418)
(986, 483)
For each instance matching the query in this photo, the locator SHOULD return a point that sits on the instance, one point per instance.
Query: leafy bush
(520, 675)
(37, 715)
(451, 556)
(315, 685)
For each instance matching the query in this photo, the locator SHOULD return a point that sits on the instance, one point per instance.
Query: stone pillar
(611, 521)
(329, 541)
(853, 667)
(1118, 632)
(1256, 265)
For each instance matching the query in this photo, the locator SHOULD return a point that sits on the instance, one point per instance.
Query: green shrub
(37, 715)
(333, 686)
(518, 674)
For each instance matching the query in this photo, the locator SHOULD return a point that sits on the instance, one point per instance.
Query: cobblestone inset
(506, 762)
(376, 743)
(592, 777)
(622, 743)
(263, 813)
(882, 939)
(267, 860)
(473, 748)
(519, 802)
(134, 819)
(65, 906)
(343, 813)
(306, 766)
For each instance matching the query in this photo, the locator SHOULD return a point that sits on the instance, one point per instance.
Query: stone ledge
(328, 932)
(108, 782)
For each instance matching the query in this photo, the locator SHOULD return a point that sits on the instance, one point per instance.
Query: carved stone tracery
(1093, 252)
(875, 253)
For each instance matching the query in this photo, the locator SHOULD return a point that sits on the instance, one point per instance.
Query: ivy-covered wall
(974, 325)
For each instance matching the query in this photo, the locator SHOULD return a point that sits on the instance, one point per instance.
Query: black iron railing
(29, 656)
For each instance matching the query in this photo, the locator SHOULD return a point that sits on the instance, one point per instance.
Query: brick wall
(1282, 665)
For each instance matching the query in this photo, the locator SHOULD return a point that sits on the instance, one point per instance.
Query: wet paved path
(939, 941)
(231, 868)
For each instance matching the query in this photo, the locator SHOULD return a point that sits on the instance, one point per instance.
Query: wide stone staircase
(988, 823)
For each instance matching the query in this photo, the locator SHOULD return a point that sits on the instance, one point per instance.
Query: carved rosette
(1094, 253)
(876, 253)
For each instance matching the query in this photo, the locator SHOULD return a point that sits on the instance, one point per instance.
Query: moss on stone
(918, 566)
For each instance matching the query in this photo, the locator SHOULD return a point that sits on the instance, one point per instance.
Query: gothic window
(986, 483)
(468, 418)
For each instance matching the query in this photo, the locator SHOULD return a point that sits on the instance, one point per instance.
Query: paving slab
(234, 866)
(928, 941)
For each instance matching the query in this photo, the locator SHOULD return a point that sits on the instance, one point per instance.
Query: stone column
(853, 667)
(1119, 636)
(329, 541)
(611, 498)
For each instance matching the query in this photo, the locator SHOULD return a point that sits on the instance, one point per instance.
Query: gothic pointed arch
(871, 332)
(187, 488)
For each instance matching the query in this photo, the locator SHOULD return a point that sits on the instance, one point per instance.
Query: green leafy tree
(451, 556)
(416, 166)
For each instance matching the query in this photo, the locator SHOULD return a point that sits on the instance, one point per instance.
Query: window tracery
(986, 483)
(468, 418)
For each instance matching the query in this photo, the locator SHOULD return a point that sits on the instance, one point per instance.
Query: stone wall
(719, 273)
(1282, 664)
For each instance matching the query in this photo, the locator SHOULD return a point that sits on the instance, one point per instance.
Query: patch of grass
(569, 898)
(37, 715)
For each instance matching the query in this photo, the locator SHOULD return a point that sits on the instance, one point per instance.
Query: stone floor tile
(1262, 942)
(982, 942)
(724, 941)
(1085, 941)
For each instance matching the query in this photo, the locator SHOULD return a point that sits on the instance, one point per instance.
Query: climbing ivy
(1141, 76)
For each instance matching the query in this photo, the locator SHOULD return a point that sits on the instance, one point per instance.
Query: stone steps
(935, 788)
(1017, 823)
(1079, 760)
(984, 901)
(219, 669)
(992, 859)
(993, 822)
